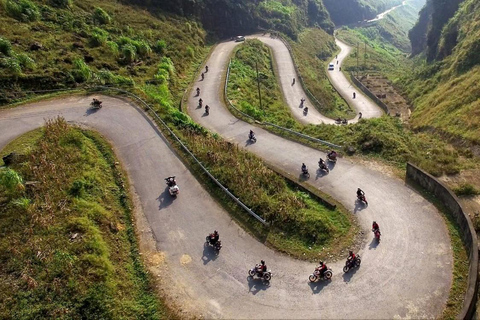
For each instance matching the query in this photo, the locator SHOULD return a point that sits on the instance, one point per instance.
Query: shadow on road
(320, 173)
(205, 114)
(318, 286)
(302, 177)
(374, 244)
(348, 276)
(256, 284)
(165, 199)
(331, 165)
(209, 253)
(359, 206)
(249, 142)
(90, 111)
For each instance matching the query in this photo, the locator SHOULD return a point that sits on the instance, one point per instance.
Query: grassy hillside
(68, 248)
(63, 44)
(446, 93)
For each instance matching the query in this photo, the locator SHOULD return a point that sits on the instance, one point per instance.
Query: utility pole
(358, 53)
(258, 86)
(365, 58)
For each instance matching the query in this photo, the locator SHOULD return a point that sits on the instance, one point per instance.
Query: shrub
(100, 16)
(25, 61)
(98, 37)
(10, 180)
(107, 77)
(143, 48)
(113, 48)
(5, 47)
(466, 189)
(129, 52)
(190, 52)
(81, 71)
(12, 65)
(160, 47)
(23, 10)
(60, 3)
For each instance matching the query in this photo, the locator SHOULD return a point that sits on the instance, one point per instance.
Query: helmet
(374, 222)
(263, 261)
(215, 232)
(320, 262)
(350, 252)
(359, 189)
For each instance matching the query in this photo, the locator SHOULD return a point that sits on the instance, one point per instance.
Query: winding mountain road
(407, 275)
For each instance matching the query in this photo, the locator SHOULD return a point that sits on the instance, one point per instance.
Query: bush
(100, 16)
(143, 48)
(25, 61)
(10, 180)
(113, 48)
(190, 52)
(98, 37)
(81, 71)
(129, 53)
(5, 47)
(107, 77)
(12, 65)
(466, 189)
(23, 10)
(61, 3)
(160, 47)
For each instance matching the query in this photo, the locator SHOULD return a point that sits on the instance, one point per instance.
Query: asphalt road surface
(407, 275)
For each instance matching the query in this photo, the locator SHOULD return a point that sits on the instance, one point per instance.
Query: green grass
(312, 51)
(68, 248)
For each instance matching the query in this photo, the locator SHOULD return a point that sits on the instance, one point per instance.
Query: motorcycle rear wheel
(328, 275)
(357, 262)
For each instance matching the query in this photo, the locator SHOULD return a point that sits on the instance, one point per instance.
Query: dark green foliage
(22, 10)
(5, 47)
(61, 3)
(100, 16)
(81, 71)
(160, 46)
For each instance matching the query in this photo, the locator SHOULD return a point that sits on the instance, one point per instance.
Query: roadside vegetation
(68, 247)
(312, 51)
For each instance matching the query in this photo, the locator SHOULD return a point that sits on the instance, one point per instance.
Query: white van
(331, 66)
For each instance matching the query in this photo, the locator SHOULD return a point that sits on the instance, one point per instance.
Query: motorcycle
(305, 110)
(266, 276)
(198, 92)
(207, 110)
(377, 234)
(323, 166)
(351, 264)
(96, 104)
(362, 198)
(173, 188)
(200, 103)
(315, 276)
(332, 158)
(305, 173)
(252, 138)
(217, 245)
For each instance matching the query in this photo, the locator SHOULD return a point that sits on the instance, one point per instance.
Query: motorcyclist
(203, 75)
(375, 227)
(302, 101)
(207, 109)
(332, 154)
(251, 135)
(321, 163)
(206, 68)
(304, 168)
(214, 237)
(293, 81)
(351, 257)
(96, 102)
(305, 110)
(261, 268)
(200, 102)
(321, 268)
(198, 91)
(171, 181)
(360, 193)
(359, 115)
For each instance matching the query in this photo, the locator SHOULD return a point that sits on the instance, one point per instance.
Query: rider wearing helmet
(332, 154)
(214, 237)
(321, 163)
(304, 167)
(261, 268)
(351, 257)
(360, 193)
(375, 227)
(251, 134)
(322, 268)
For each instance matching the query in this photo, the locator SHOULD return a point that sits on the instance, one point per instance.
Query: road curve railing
(468, 234)
(269, 123)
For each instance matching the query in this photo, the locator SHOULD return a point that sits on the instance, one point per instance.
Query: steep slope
(351, 11)
(228, 18)
(446, 93)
